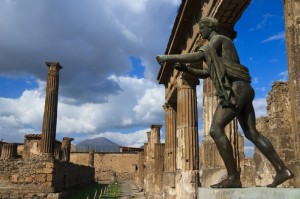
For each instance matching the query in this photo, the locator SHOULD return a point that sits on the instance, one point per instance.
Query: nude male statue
(235, 94)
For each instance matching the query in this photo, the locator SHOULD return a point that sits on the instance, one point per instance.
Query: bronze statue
(235, 94)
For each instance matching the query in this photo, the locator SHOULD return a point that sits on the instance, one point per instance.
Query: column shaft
(187, 124)
(50, 111)
(170, 138)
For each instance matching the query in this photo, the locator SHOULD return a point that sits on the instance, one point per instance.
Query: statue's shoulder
(219, 37)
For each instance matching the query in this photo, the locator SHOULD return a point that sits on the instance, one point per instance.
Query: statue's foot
(228, 183)
(281, 177)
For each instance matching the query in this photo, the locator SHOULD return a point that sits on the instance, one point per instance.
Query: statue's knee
(214, 133)
(251, 135)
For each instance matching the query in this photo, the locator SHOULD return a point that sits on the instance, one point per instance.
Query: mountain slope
(100, 144)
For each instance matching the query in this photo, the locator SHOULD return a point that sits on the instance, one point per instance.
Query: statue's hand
(180, 67)
(161, 59)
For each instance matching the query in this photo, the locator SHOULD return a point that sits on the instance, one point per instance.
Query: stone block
(295, 167)
(14, 178)
(28, 179)
(250, 193)
(169, 179)
(4, 178)
(40, 178)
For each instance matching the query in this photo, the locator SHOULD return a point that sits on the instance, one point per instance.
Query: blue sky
(107, 48)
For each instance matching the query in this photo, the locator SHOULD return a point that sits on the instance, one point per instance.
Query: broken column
(153, 138)
(187, 150)
(66, 148)
(9, 151)
(50, 111)
(91, 157)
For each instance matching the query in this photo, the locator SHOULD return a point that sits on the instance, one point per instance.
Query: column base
(295, 167)
(249, 193)
(186, 184)
(169, 191)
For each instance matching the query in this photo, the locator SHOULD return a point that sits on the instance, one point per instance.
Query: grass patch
(112, 191)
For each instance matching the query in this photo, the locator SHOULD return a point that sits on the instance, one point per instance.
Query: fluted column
(9, 151)
(153, 139)
(50, 111)
(187, 147)
(66, 148)
(170, 138)
(187, 123)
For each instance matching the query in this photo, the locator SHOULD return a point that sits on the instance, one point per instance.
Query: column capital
(186, 80)
(54, 66)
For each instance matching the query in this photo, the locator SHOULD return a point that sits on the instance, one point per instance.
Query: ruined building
(186, 165)
(41, 168)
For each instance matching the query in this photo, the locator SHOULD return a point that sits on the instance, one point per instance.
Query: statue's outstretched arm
(182, 58)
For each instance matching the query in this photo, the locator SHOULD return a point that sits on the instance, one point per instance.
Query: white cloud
(137, 104)
(284, 76)
(277, 36)
(260, 107)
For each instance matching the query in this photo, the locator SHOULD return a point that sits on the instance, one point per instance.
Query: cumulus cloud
(92, 40)
(136, 106)
(260, 107)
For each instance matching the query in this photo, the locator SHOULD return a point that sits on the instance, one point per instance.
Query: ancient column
(91, 157)
(170, 137)
(66, 148)
(170, 151)
(153, 138)
(50, 111)
(159, 150)
(292, 29)
(9, 151)
(187, 151)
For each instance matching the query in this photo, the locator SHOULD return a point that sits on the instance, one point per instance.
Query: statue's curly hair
(211, 22)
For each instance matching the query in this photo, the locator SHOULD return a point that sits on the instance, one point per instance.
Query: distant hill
(100, 144)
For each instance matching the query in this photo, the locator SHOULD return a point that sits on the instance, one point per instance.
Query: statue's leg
(247, 121)
(221, 118)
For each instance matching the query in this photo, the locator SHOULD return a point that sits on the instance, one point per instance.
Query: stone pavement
(130, 190)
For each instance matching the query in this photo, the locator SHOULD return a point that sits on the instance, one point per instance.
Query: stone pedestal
(249, 193)
(187, 184)
(169, 185)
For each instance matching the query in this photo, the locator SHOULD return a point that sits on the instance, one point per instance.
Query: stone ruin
(40, 167)
(177, 168)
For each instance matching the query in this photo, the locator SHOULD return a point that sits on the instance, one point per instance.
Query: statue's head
(210, 22)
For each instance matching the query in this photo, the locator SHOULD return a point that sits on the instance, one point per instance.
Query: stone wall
(40, 177)
(123, 165)
(277, 128)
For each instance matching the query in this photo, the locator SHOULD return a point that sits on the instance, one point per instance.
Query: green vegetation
(108, 191)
